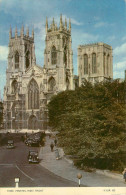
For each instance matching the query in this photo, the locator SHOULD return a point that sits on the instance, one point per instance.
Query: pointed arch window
(65, 56)
(94, 68)
(16, 60)
(27, 59)
(33, 95)
(85, 64)
(54, 55)
(14, 87)
(51, 84)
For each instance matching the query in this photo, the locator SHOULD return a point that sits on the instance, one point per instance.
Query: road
(14, 163)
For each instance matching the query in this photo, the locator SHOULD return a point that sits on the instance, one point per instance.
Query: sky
(92, 21)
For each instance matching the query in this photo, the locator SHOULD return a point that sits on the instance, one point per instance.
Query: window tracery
(33, 95)
(54, 55)
(94, 68)
(85, 64)
(51, 84)
(16, 60)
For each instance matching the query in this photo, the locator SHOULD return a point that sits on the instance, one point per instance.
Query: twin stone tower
(29, 87)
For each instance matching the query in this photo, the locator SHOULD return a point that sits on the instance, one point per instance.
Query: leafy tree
(92, 123)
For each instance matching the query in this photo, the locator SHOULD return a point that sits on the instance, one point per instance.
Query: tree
(92, 123)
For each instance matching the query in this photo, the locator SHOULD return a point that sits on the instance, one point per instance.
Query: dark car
(33, 157)
(29, 141)
(33, 140)
(10, 144)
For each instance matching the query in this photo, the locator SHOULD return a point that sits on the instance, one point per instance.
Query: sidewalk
(64, 167)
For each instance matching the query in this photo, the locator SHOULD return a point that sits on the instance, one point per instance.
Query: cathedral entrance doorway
(32, 123)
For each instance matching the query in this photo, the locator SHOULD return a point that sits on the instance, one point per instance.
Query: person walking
(124, 174)
(51, 146)
(55, 141)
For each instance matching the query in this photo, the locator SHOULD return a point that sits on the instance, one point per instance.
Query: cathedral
(29, 86)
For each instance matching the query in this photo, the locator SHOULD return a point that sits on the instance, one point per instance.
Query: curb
(109, 174)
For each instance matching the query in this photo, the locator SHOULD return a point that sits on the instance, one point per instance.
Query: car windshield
(10, 141)
(33, 153)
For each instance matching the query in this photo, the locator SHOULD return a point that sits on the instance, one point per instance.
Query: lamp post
(17, 182)
(15, 119)
(79, 176)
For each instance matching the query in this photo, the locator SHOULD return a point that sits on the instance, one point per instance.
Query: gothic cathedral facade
(29, 87)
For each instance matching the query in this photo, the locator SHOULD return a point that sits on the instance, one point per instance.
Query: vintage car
(29, 141)
(33, 157)
(33, 140)
(10, 144)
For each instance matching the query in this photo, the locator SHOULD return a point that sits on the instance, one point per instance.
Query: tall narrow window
(14, 87)
(54, 55)
(65, 56)
(51, 84)
(85, 64)
(104, 62)
(108, 65)
(33, 95)
(17, 60)
(94, 68)
(27, 59)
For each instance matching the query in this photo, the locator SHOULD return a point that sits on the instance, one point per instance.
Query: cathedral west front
(29, 86)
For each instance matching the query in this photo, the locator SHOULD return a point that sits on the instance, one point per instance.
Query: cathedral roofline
(62, 26)
(22, 35)
(95, 44)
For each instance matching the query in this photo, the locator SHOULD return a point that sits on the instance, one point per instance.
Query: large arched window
(65, 56)
(27, 59)
(85, 64)
(108, 64)
(51, 84)
(33, 95)
(16, 60)
(54, 55)
(14, 87)
(94, 68)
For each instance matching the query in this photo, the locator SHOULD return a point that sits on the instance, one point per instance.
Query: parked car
(33, 157)
(10, 144)
(29, 141)
(33, 140)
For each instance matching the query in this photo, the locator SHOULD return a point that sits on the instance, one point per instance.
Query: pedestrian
(124, 174)
(52, 146)
(55, 141)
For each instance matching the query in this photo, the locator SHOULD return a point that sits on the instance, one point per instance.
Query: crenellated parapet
(62, 26)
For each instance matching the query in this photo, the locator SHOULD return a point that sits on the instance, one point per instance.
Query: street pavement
(14, 163)
(64, 168)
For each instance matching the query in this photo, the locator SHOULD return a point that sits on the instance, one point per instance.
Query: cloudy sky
(92, 21)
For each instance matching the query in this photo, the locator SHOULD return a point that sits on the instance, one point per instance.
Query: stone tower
(21, 57)
(95, 62)
(21, 51)
(58, 56)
